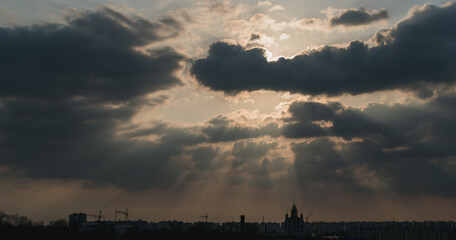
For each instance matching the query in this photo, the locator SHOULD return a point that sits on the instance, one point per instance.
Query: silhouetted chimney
(242, 223)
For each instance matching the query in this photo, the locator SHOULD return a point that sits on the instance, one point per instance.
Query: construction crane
(205, 217)
(308, 216)
(121, 212)
(99, 216)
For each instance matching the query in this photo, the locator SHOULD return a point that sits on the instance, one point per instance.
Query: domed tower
(294, 211)
(293, 224)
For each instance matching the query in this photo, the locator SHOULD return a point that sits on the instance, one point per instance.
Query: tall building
(242, 223)
(294, 224)
(76, 220)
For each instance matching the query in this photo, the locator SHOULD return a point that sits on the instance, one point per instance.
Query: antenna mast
(205, 216)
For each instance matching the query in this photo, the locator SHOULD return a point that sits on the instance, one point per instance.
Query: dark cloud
(312, 119)
(247, 151)
(190, 155)
(115, 28)
(254, 37)
(195, 148)
(220, 7)
(357, 17)
(417, 54)
(401, 148)
(262, 174)
(91, 57)
(318, 163)
(65, 90)
(220, 120)
(255, 165)
(205, 158)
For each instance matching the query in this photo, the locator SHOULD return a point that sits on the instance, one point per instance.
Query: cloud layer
(357, 17)
(416, 54)
(68, 94)
(66, 90)
(401, 148)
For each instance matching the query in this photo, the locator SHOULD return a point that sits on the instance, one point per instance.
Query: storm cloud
(357, 17)
(66, 91)
(91, 57)
(313, 119)
(417, 55)
(403, 148)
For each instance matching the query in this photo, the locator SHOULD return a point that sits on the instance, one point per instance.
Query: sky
(174, 109)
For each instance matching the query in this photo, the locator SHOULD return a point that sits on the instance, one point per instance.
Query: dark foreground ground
(61, 233)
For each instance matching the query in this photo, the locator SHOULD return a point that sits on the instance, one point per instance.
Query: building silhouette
(293, 224)
(242, 224)
(294, 227)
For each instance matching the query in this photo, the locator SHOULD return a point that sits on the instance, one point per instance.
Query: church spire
(294, 211)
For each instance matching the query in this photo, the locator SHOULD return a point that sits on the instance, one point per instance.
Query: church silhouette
(294, 224)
